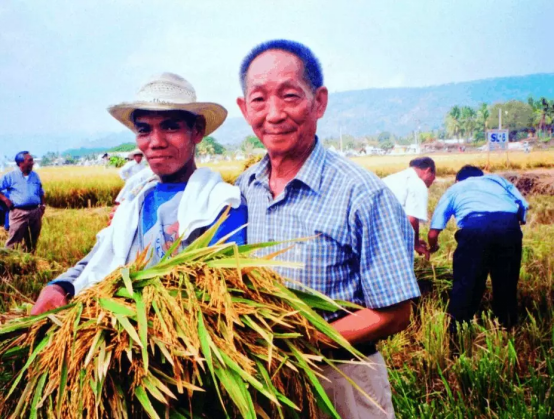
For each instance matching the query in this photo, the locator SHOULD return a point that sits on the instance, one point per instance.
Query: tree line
(535, 116)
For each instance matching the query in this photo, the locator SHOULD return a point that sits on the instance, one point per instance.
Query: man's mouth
(157, 158)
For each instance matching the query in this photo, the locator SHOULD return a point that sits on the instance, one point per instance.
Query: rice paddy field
(489, 373)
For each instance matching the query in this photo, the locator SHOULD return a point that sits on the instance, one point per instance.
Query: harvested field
(540, 182)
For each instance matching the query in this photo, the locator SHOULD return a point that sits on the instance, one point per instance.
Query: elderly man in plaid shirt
(363, 252)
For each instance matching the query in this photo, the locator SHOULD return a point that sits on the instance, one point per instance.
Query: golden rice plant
(210, 332)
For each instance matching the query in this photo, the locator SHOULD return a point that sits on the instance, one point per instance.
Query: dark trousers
(489, 245)
(25, 226)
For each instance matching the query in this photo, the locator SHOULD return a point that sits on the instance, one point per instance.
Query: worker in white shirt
(410, 188)
(134, 166)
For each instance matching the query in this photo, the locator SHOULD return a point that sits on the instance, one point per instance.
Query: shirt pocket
(34, 188)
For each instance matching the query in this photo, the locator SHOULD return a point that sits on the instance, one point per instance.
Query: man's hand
(421, 249)
(8, 203)
(42, 209)
(51, 297)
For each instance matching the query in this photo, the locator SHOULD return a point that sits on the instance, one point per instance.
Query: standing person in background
(22, 193)
(134, 166)
(363, 246)
(488, 210)
(410, 188)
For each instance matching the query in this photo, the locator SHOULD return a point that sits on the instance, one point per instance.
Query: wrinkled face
(138, 158)
(166, 141)
(280, 105)
(27, 165)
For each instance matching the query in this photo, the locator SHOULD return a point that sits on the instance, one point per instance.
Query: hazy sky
(63, 62)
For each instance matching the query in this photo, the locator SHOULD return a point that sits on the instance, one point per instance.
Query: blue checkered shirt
(364, 249)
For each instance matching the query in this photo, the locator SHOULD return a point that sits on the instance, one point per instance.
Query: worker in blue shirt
(21, 192)
(488, 210)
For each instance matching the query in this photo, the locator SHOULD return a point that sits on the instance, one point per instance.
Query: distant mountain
(358, 112)
(402, 110)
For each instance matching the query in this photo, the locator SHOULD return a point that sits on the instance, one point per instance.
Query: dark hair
(189, 118)
(312, 68)
(20, 157)
(468, 171)
(423, 163)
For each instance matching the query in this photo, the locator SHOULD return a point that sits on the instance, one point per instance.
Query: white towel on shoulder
(205, 196)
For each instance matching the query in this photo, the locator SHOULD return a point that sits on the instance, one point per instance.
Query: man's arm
(433, 239)
(384, 242)
(419, 246)
(6, 201)
(373, 324)
(58, 292)
(4, 185)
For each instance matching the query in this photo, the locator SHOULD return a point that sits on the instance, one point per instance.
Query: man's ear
(241, 102)
(321, 100)
(199, 129)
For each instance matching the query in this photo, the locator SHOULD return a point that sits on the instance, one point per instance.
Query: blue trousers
(488, 245)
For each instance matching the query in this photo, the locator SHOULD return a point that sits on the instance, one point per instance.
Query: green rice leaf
(31, 359)
(38, 395)
(142, 327)
(116, 307)
(236, 389)
(142, 396)
(251, 263)
(63, 384)
(124, 322)
(127, 280)
(316, 385)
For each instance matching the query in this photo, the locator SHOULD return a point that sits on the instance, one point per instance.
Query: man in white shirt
(134, 166)
(410, 188)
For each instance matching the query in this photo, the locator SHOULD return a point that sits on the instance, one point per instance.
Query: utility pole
(340, 138)
(499, 118)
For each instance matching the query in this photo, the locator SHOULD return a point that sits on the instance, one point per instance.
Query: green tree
(483, 115)
(209, 146)
(386, 145)
(543, 111)
(468, 122)
(250, 143)
(453, 121)
(516, 115)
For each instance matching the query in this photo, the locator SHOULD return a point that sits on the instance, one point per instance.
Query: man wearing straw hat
(363, 246)
(134, 166)
(177, 201)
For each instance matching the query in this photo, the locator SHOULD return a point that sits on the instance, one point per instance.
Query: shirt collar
(309, 174)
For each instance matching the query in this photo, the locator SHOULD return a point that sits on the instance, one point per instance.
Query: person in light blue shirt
(21, 192)
(488, 211)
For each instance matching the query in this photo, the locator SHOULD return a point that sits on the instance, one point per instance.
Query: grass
(499, 373)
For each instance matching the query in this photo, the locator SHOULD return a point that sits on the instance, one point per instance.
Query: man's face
(279, 104)
(428, 176)
(166, 141)
(27, 165)
(138, 158)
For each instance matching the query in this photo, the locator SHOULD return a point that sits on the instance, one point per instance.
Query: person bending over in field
(410, 188)
(180, 200)
(363, 249)
(488, 210)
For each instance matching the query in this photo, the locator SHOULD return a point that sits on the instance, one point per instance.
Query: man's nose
(275, 110)
(157, 138)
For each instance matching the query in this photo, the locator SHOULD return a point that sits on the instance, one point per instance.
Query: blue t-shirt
(159, 227)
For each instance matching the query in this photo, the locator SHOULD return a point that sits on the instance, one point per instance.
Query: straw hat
(169, 92)
(133, 153)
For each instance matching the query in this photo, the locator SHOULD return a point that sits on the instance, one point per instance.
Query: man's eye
(172, 127)
(257, 99)
(142, 130)
(291, 96)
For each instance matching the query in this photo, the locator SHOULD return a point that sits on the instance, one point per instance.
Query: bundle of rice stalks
(210, 332)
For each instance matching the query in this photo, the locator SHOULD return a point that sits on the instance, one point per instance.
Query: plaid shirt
(364, 249)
